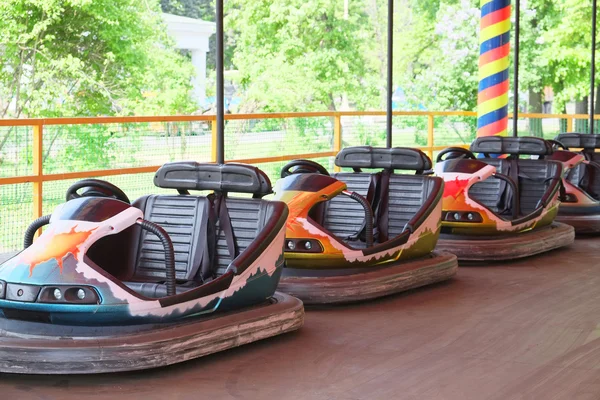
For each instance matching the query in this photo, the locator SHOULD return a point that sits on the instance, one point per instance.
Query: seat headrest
(384, 158)
(528, 145)
(579, 140)
(190, 175)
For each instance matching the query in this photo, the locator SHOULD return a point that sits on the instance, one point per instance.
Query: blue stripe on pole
(494, 43)
(494, 5)
(492, 117)
(493, 80)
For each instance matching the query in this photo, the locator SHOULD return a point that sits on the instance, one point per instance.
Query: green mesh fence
(91, 147)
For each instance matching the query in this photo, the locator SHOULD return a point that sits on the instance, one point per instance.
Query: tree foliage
(88, 57)
(302, 55)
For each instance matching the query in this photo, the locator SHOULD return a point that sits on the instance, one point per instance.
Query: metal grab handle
(368, 215)
(516, 203)
(169, 252)
(33, 228)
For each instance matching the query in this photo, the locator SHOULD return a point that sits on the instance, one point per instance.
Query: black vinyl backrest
(580, 140)
(184, 218)
(190, 175)
(527, 145)
(535, 177)
(404, 158)
(586, 176)
(248, 218)
(408, 197)
(492, 192)
(343, 216)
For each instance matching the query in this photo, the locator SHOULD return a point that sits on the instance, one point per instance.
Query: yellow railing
(37, 177)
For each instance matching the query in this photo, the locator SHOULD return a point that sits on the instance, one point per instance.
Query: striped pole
(494, 50)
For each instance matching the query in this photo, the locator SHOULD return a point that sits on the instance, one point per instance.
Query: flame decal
(455, 188)
(54, 247)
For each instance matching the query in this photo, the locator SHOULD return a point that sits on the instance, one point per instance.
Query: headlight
(461, 216)
(569, 198)
(303, 246)
(2, 289)
(68, 295)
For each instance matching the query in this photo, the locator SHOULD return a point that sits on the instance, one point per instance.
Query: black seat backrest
(535, 177)
(407, 199)
(248, 217)
(589, 144)
(343, 216)
(493, 193)
(577, 174)
(580, 140)
(190, 175)
(525, 145)
(184, 218)
(404, 158)
(586, 176)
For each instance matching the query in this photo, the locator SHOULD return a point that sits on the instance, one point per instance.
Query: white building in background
(192, 34)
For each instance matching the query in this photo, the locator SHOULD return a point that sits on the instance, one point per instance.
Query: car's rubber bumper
(37, 348)
(509, 247)
(583, 224)
(331, 286)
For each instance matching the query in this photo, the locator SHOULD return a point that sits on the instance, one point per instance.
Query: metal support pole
(593, 69)
(516, 69)
(220, 85)
(390, 67)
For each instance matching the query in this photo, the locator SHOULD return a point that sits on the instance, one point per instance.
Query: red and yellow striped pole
(494, 50)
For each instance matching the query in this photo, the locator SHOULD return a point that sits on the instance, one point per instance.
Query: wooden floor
(527, 330)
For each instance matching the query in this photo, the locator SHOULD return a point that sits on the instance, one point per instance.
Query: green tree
(534, 72)
(88, 57)
(569, 61)
(204, 10)
(445, 76)
(302, 55)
